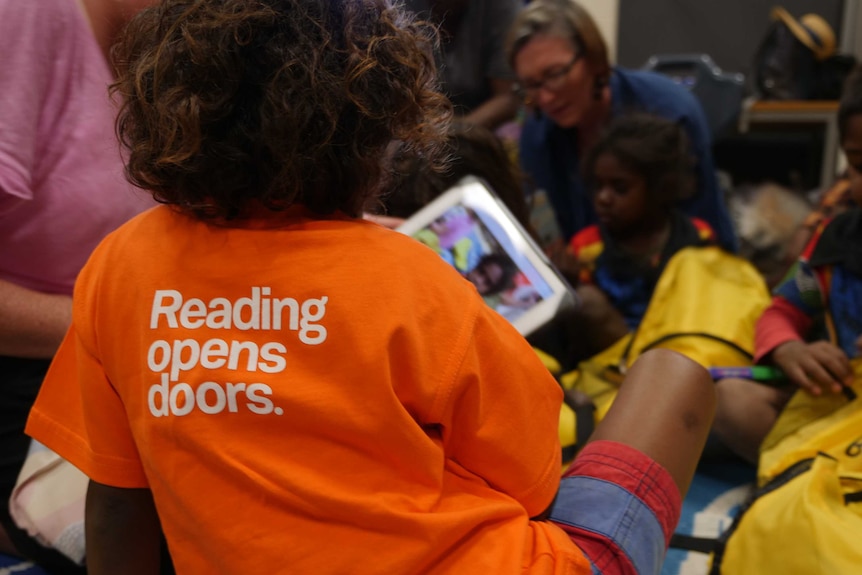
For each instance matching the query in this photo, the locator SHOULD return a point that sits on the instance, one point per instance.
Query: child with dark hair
(473, 151)
(288, 387)
(814, 324)
(637, 172)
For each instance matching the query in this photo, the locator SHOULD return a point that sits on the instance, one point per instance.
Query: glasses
(552, 80)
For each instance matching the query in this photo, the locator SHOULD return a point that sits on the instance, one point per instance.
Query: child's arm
(122, 531)
(816, 367)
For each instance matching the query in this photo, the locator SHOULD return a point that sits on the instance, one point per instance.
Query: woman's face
(556, 78)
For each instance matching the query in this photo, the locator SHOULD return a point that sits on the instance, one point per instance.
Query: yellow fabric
(809, 425)
(703, 290)
(804, 527)
(706, 291)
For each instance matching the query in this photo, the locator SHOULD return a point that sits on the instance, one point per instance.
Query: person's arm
(816, 367)
(122, 531)
(107, 18)
(780, 323)
(32, 324)
(500, 108)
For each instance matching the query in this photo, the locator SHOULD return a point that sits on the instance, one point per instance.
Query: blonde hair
(565, 19)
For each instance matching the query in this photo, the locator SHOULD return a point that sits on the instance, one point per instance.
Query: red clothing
(781, 322)
(302, 399)
(587, 245)
(786, 320)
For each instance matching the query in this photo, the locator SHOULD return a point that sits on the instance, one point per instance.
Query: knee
(684, 385)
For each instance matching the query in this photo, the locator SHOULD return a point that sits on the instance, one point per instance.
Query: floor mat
(714, 498)
(15, 566)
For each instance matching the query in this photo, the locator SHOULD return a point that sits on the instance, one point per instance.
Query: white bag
(48, 502)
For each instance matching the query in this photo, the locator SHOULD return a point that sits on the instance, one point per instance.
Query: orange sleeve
(78, 413)
(500, 415)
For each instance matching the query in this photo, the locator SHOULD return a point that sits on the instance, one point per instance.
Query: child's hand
(815, 367)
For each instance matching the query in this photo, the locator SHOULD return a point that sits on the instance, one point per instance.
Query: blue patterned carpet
(14, 566)
(717, 491)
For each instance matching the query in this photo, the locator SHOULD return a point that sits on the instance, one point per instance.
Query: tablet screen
(473, 231)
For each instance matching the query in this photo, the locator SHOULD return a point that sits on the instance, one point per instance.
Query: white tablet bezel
(474, 194)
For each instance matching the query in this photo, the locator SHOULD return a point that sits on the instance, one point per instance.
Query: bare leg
(746, 412)
(621, 498)
(664, 409)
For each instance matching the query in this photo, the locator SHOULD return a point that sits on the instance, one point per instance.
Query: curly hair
(653, 147)
(234, 104)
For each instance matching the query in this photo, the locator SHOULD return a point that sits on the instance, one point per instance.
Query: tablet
(472, 230)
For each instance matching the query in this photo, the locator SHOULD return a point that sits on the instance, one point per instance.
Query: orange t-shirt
(320, 396)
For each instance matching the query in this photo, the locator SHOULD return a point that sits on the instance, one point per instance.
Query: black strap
(692, 543)
(852, 497)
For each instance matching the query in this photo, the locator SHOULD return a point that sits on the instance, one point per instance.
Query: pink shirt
(61, 175)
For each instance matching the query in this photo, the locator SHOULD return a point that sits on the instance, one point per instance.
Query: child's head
(495, 272)
(473, 150)
(850, 130)
(638, 169)
(235, 105)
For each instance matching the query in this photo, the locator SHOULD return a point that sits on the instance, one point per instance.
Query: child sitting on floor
(637, 171)
(814, 323)
(287, 387)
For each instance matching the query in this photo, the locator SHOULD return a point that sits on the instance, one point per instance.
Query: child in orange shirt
(279, 382)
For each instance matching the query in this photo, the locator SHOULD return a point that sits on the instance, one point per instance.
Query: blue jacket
(549, 154)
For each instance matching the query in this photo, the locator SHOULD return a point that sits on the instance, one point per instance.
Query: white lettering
(219, 317)
(236, 348)
(308, 316)
(272, 353)
(157, 365)
(232, 390)
(258, 404)
(188, 399)
(214, 353)
(220, 397)
(193, 313)
(179, 362)
(210, 398)
(169, 311)
(160, 390)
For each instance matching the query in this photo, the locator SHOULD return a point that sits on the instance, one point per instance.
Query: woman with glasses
(563, 74)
